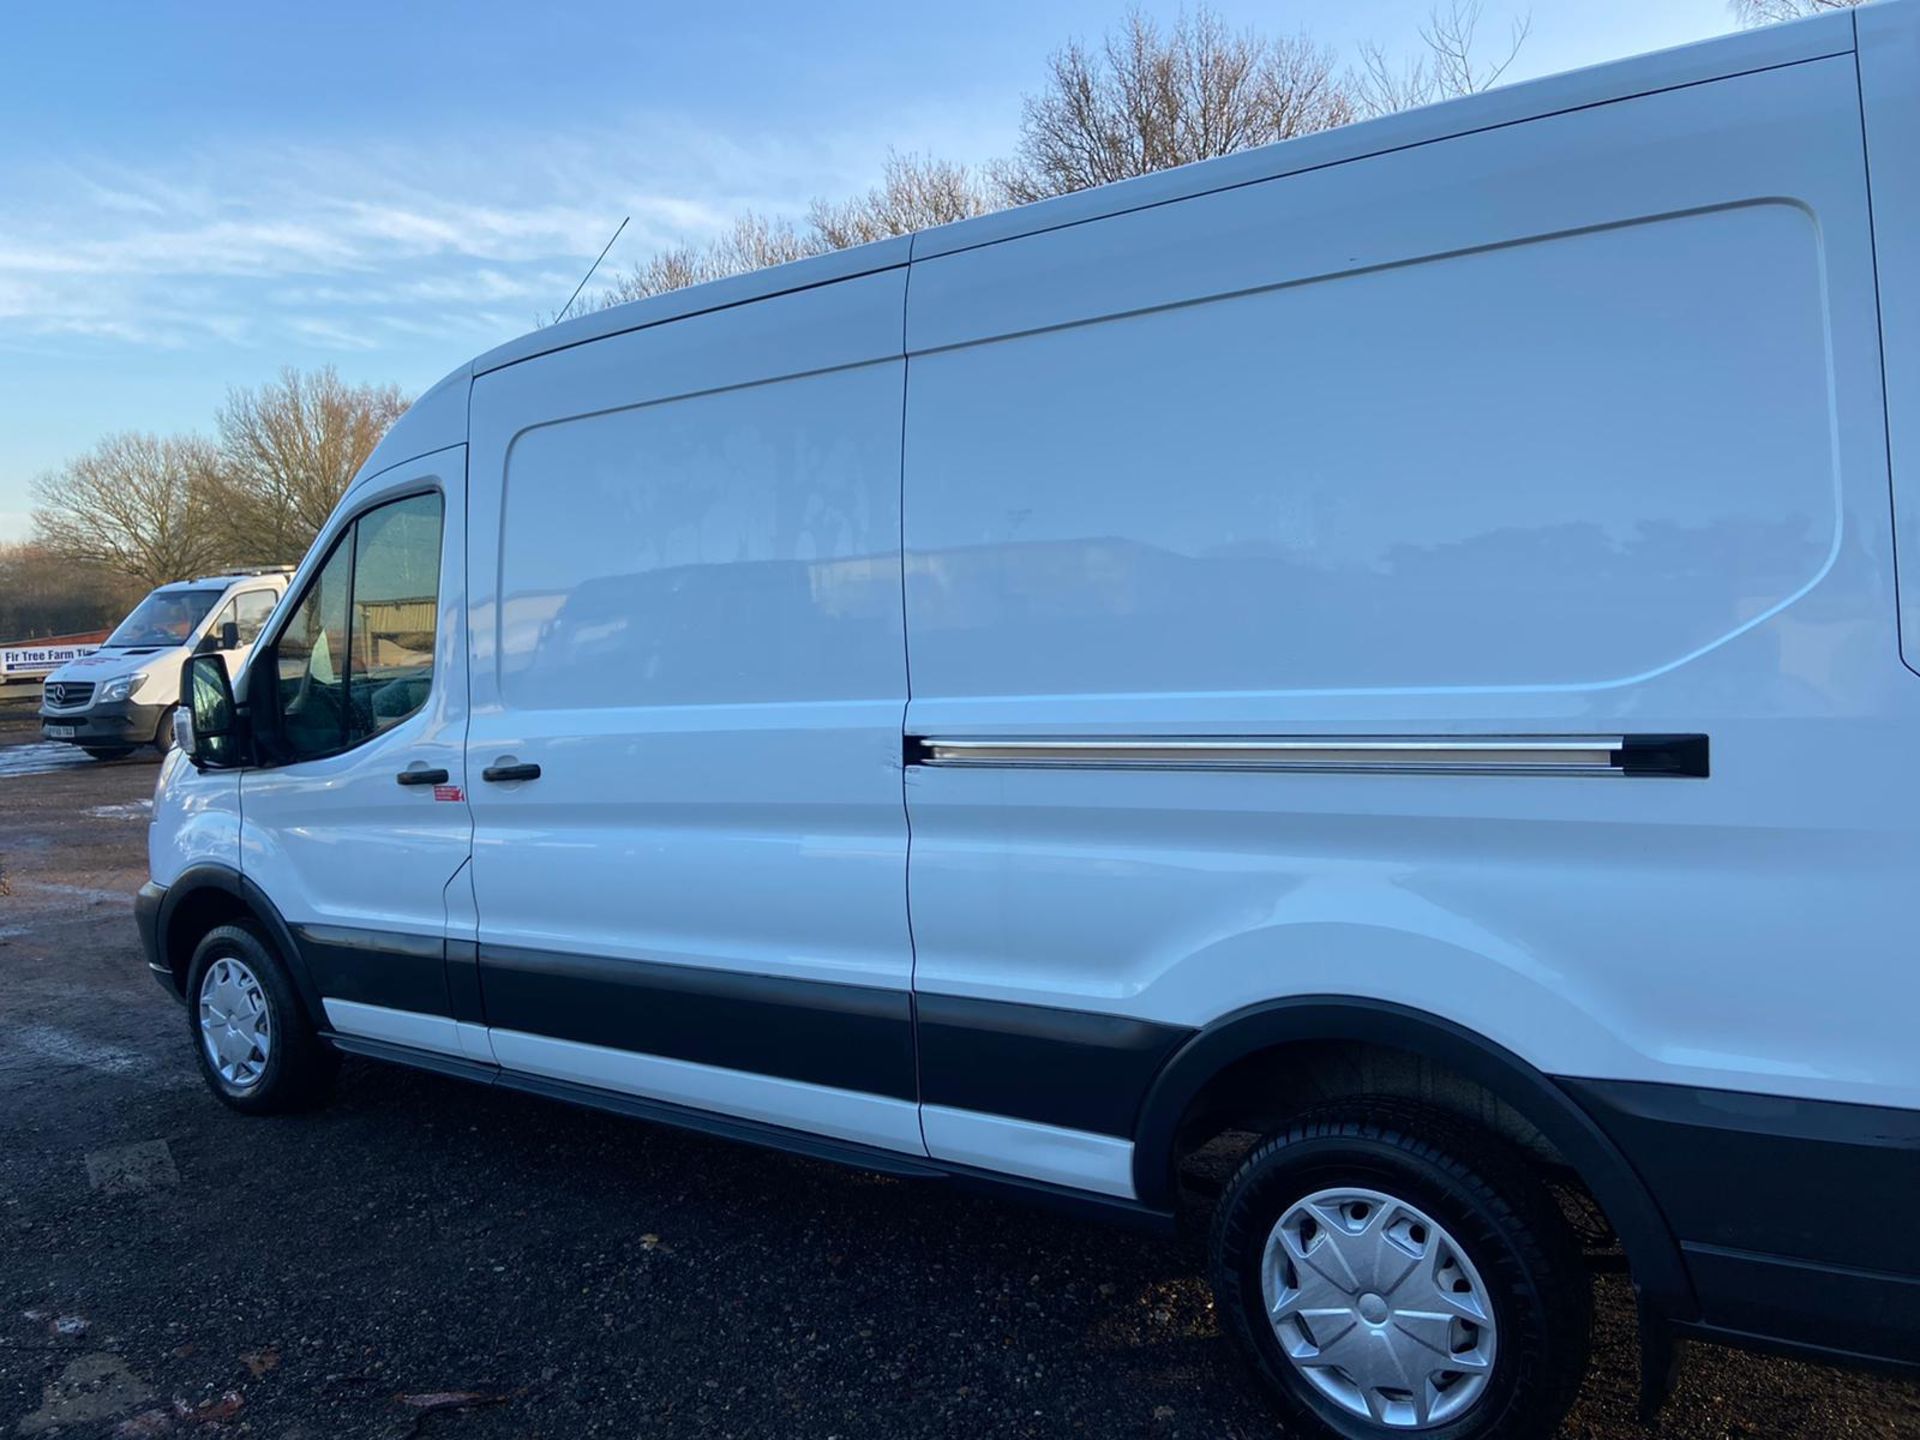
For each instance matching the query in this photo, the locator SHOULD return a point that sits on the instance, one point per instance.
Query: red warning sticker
(448, 792)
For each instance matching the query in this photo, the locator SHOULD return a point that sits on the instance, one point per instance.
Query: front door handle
(422, 777)
(525, 771)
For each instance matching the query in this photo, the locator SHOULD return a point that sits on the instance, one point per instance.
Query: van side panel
(1566, 429)
(1365, 469)
(687, 613)
(1889, 60)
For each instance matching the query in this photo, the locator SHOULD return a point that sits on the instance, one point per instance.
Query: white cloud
(253, 242)
(333, 335)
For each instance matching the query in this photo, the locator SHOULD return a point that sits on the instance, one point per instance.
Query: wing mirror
(224, 636)
(215, 740)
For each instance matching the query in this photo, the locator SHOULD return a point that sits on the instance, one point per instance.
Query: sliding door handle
(422, 777)
(498, 773)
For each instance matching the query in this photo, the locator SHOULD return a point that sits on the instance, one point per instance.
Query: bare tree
(915, 193)
(144, 505)
(1450, 67)
(1144, 99)
(289, 448)
(1767, 12)
(45, 593)
(754, 242)
(1147, 99)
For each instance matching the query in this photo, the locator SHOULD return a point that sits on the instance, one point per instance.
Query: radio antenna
(589, 275)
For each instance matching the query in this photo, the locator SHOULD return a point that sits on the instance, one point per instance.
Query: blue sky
(197, 194)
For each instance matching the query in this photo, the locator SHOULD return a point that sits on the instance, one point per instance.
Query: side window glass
(250, 613)
(355, 657)
(310, 660)
(211, 639)
(396, 602)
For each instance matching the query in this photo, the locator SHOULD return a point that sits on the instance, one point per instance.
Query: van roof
(885, 254)
(227, 577)
(1814, 38)
(438, 419)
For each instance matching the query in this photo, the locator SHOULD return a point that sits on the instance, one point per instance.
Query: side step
(1080, 1203)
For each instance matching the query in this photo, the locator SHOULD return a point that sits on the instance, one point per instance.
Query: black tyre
(108, 752)
(163, 732)
(257, 1050)
(1389, 1270)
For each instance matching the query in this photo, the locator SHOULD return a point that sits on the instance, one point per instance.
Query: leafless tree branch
(1450, 67)
(915, 193)
(1769, 12)
(144, 505)
(288, 450)
(1147, 99)
(44, 593)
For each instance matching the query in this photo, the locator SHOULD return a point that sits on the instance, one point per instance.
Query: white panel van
(1381, 656)
(122, 694)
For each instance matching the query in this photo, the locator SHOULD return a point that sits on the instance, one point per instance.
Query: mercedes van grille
(69, 694)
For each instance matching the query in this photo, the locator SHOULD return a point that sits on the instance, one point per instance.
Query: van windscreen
(166, 617)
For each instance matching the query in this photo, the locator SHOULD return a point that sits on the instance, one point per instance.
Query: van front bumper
(110, 723)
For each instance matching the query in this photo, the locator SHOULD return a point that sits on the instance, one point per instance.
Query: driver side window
(356, 655)
(312, 689)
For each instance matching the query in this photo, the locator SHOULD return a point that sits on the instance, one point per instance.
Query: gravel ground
(426, 1257)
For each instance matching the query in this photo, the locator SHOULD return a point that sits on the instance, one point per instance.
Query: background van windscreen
(166, 617)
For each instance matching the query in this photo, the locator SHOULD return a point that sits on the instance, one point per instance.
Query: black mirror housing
(207, 692)
(229, 635)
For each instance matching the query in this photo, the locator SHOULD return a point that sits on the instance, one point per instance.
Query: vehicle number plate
(62, 732)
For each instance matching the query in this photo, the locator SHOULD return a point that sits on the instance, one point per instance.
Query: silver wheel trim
(235, 1025)
(1378, 1308)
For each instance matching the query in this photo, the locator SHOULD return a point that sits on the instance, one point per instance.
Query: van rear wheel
(1389, 1271)
(257, 1050)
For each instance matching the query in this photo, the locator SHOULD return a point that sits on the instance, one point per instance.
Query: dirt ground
(429, 1257)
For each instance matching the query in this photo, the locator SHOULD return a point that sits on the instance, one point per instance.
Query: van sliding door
(1246, 533)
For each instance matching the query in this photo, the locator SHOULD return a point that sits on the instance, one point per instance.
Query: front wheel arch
(209, 895)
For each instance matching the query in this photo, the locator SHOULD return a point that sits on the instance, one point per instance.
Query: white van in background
(122, 695)
(1378, 660)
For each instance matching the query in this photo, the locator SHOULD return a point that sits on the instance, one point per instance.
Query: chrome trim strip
(1413, 755)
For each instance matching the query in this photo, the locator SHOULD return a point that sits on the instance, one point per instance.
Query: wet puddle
(41, 759)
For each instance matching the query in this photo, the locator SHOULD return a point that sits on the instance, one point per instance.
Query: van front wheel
(1389, 1271)
(257, 1050)
(163, 732)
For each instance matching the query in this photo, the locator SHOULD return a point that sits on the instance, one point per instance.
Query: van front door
(355, 822)
(246, 613)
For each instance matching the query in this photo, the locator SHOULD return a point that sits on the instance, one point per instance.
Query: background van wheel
(163, 732)
(1388, 1271)
(257, 1050)
(108, 752)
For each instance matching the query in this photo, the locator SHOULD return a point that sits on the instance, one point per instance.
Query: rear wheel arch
(1213, 1068)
